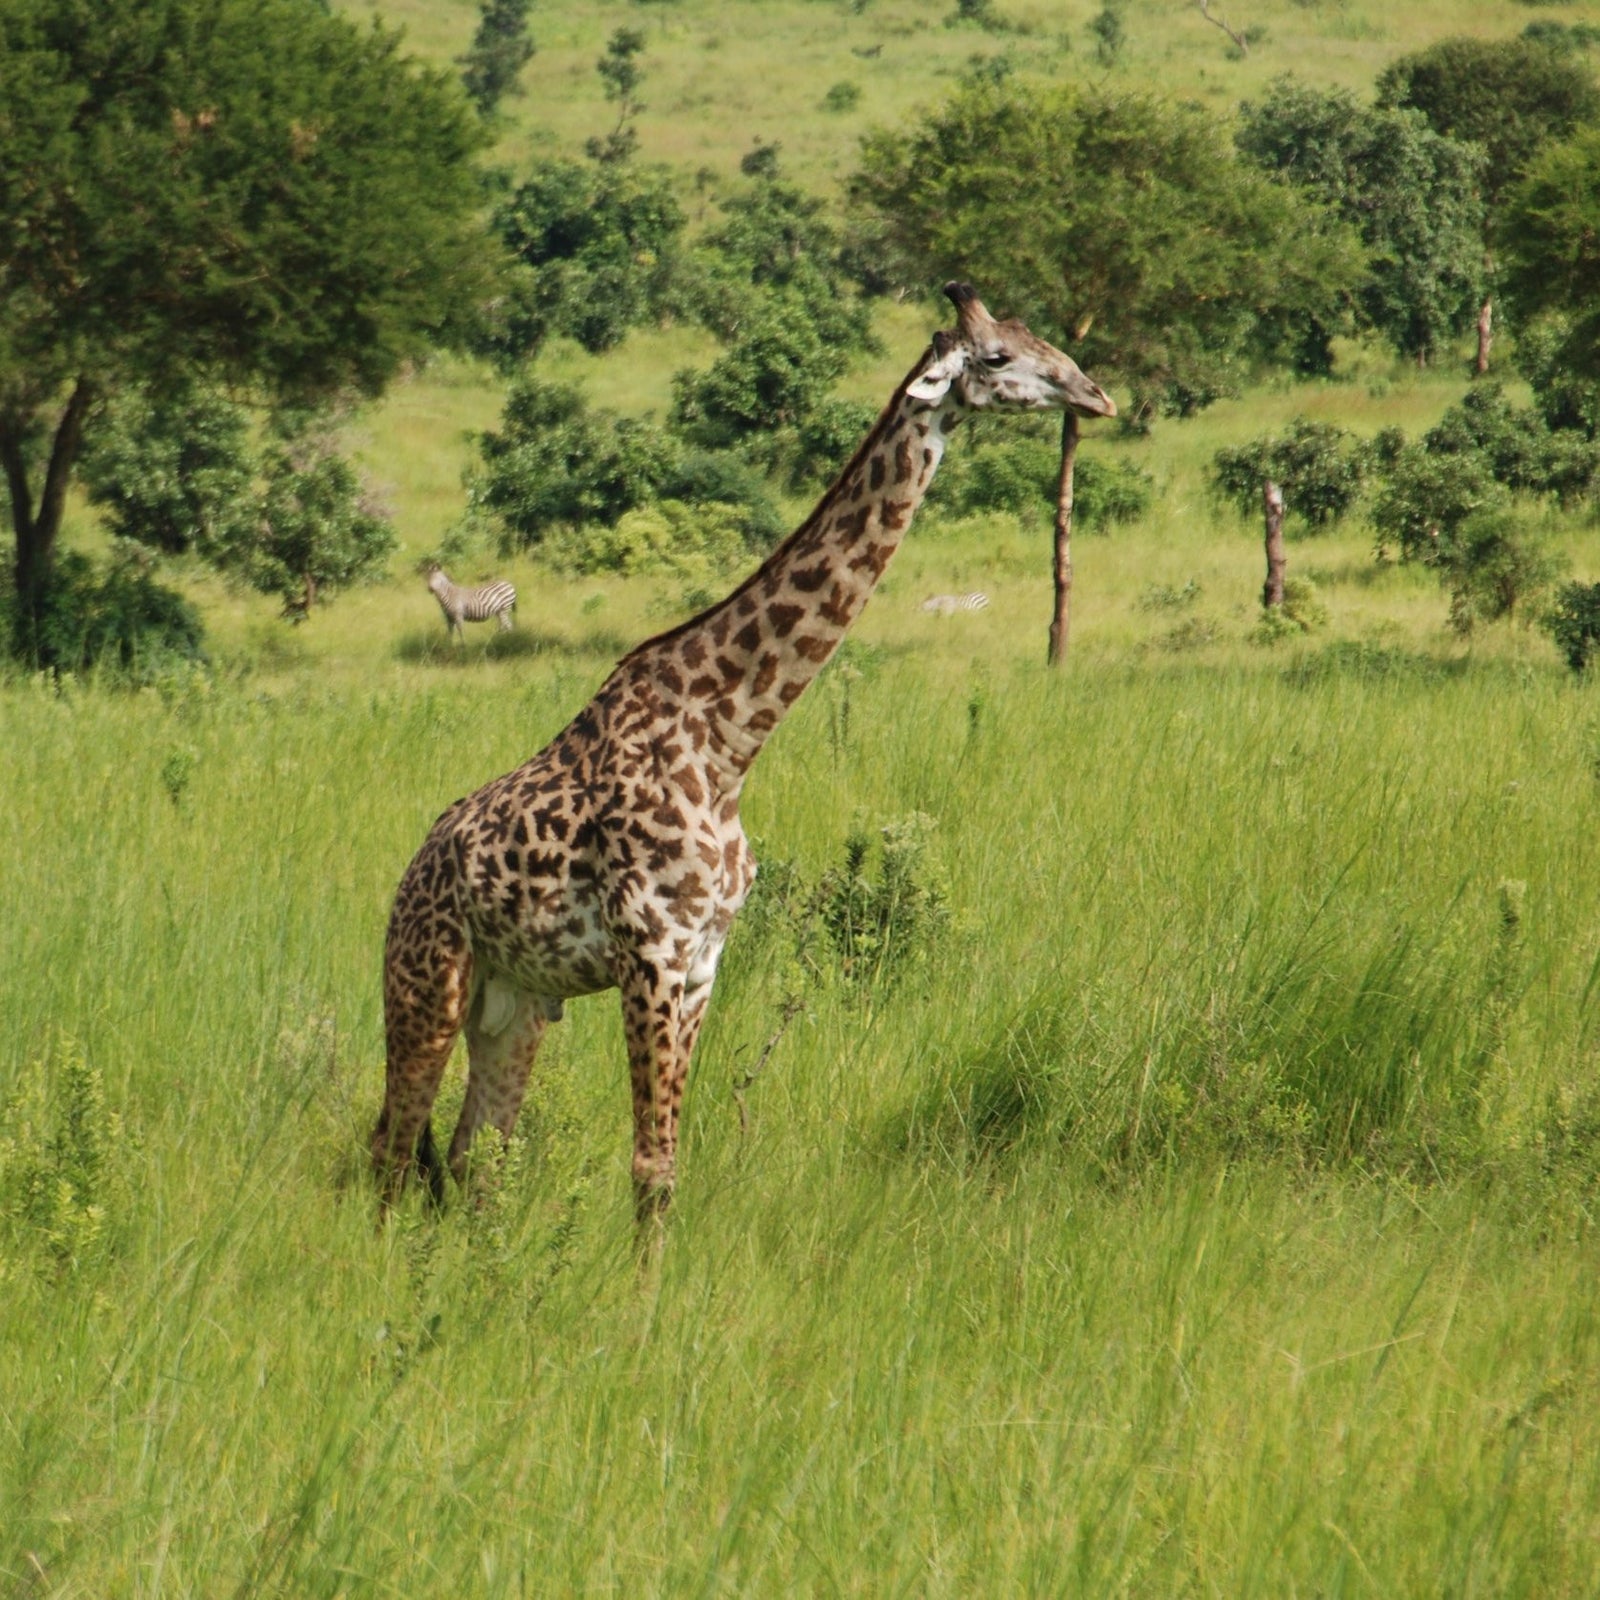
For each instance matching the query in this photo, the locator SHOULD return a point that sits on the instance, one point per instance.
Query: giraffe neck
(740, 665)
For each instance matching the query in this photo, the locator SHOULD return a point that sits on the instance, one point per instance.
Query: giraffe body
(615, 856)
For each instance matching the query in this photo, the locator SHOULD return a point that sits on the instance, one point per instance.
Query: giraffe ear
(933, 382)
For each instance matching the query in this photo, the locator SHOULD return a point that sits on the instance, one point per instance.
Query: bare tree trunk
(1236, 34)
(1485, 333)
(1272, 502)
(1061, 623)
(36, 527)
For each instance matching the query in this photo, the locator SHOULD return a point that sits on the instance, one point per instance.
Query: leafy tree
(1567, 399)
(313, 530)
(1123, 221)
(245, 189)
(1509, 96)
(1550, 239)
(501, 47)
(1321, 469)
(1411, 192)
(595, 248)
(1492, 565)
(1019, 471)
(621, 74)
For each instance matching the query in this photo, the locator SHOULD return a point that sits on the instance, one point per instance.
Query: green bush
(1521, 449)
(1573, 622)
(113, 618)
(1490, 566)
(689, 542)
(1020, 471)
(1425, 498)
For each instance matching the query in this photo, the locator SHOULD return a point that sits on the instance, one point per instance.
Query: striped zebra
(497, 599)
(946, 605)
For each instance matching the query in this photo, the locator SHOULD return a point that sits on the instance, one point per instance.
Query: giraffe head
(1001, 366)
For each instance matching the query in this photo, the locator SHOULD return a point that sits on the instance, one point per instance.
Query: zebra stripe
(497, 600)
(946, 605)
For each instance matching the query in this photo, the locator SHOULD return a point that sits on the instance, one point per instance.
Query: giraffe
(614, 858)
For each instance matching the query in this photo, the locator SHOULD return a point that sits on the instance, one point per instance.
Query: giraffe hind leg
(426, 988)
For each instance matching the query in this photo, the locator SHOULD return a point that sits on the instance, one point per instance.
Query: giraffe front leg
(652, 1008)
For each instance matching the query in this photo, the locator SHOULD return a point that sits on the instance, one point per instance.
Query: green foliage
(501, 47)
(235, 185)
(1427, 497)
(696, 543)
(776, 372)
(1108, 32)
(1321, 469)
(557, 463)
(1573, 622)
(315, 530)
(172, 471)
(1550, 239)
(1120, 221)
(1565, 398)
(880, 924)
(595, 248)
(1490, 565)
(842, 96)
(113, 618)
(247, 191)
(1510, 96)
(1301, 613)
(621, 74)
(1412, 193)
(65, 1156)
(1522, 452)
(1018, 469)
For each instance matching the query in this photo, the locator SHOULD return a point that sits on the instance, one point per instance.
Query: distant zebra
(498, 600)
(946, 605)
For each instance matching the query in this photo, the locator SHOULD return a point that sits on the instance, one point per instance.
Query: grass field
(1197, 1198)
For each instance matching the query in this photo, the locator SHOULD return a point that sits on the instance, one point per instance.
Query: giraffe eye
(996, 361)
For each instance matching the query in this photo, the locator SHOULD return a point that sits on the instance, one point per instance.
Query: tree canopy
(1511, 96)
(1121, 223)
(1411, 192)
(250, 190)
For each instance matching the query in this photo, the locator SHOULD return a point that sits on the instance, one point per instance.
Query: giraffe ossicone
(614, 858)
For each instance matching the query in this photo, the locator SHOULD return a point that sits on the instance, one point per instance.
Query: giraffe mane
(829, 496)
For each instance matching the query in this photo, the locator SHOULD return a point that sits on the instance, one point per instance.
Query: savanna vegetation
(1145, 1136)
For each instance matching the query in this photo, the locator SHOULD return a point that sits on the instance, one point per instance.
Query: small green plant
(1167, 596)
(1302, 611)
(842, 96)
(881, 923)
(176, 773)
(63, 1162)
(1105, 27)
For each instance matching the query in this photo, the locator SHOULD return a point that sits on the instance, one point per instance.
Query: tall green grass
(1206, 1210)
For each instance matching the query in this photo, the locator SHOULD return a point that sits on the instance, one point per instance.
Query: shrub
(1520, 448)
(1426, 498)
(842, 96)
(1489, 566)
(1573, 622)
(879, 924)
(690, 542)
(555, 462)
(115, 617)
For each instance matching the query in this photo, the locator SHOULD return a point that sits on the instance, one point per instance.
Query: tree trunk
(1061, 624)
(36, 527)
(1272, 502)
(1485, 333)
